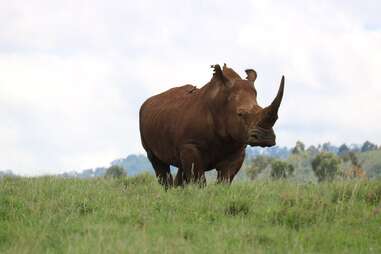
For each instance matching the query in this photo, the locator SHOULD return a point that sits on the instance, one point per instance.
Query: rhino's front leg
(228, 168)
(192, 165)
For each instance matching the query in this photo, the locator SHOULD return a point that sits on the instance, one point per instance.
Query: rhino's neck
(215, 101)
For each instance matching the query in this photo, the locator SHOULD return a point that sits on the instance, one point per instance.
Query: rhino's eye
(242, 113)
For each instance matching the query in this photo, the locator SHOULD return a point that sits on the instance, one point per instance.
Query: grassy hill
(135, 215)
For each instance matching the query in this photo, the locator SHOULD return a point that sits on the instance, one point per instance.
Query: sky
(73, 74)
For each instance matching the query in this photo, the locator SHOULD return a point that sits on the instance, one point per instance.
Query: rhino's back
(169, 101)
(160, 118)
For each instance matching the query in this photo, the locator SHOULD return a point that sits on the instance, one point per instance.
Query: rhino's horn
(271, 114)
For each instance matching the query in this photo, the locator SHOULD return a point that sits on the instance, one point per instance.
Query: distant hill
(6, 173)
(87, 173)
(275, 151)
(134, 164)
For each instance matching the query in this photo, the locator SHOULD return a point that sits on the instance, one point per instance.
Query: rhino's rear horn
(251, 75)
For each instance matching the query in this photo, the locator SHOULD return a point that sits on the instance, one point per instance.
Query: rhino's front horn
(271, 112)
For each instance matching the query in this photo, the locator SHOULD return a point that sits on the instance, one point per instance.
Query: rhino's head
(240, 116)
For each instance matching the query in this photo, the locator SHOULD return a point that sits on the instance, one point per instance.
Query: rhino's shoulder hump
(180, 91)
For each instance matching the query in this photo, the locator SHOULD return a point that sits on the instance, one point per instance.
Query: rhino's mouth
(261, 137)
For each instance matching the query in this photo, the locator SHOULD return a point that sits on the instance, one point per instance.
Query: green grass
(135, 215)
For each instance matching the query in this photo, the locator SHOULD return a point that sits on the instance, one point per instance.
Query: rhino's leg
(192, 165)
(162, 171)
(179, 179)
(228, 168)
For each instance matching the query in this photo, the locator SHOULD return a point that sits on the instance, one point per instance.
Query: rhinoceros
(200, 129)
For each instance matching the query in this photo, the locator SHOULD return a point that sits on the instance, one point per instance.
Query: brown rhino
(200, 129)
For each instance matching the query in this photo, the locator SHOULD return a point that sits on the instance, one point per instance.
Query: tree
(325, 166)
(299, 147)
(343, 150)
(354, 160)
(281, 169)
(115, 172)
(329, 148)
(355, 169)
(258, 164)
(312, 151)
(368, 146)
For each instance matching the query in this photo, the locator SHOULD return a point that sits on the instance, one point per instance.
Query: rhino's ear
(251, 75)
(219, 76)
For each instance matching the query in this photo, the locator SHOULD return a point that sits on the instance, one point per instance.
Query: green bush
(325, 166)
(258, 164)
(281, 169)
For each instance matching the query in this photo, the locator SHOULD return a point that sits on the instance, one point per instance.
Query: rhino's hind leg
(179, 179)
(162, 171)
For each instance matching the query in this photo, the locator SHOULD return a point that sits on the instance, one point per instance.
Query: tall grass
(135, 215)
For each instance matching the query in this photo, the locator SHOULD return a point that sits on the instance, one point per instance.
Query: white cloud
(73, 74)
(62, 111)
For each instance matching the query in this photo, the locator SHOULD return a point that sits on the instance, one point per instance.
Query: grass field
(135, 215)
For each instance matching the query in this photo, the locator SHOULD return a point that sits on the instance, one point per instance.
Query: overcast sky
(73, 74)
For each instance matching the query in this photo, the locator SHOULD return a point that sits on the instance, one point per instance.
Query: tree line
(321, 163)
